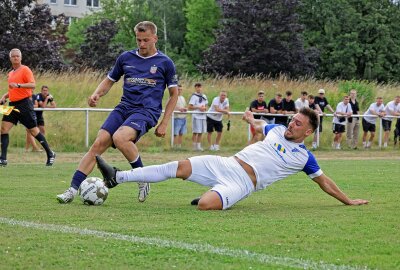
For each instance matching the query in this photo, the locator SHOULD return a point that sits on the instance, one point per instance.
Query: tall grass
(65, 130)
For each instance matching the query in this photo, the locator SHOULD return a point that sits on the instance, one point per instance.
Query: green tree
(202, 20)
(355, 38)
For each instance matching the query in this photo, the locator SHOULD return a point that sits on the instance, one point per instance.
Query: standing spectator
(312, 105)
(322, 102)
(368, 122)
(198, 103)
(302, 101)
(288, 106)
(214, 121)
(146, 72)
(276, 106)
(180, 119)
(20, 85)
(30, 140)
(391, 109)
(343, 111)
(43, 100)
(353, 123)
(258, 106)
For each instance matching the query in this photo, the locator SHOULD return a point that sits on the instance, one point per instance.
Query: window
(93, 3)
(70, 2)
(53, 1)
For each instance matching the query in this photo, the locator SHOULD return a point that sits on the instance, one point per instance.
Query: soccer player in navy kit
(147, 72)
(280, 154)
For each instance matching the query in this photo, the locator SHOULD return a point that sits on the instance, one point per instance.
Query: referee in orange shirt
(20, 85)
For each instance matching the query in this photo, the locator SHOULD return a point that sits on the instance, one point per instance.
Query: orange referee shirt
(23, 74)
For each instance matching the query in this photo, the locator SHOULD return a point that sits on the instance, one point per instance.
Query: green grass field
(292, 224)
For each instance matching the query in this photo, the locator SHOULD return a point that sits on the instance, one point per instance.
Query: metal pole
(87, 129)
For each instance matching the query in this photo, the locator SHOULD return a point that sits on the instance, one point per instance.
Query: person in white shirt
(280, 154)
(198, 103)
(180, 119)
(214, 121)
(302, 101)
(368, 122)
(391, 109)
(343, 111)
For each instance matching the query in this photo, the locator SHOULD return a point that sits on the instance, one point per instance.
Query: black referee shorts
(26, 115)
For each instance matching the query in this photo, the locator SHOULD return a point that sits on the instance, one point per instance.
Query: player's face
(15, 57)
(260, 98)
(379, 101)
(298, 128)
(146, 42)
(45, 92)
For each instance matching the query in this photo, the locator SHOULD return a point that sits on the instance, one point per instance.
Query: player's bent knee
(210, 201)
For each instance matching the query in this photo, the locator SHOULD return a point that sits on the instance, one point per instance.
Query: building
(72, 8)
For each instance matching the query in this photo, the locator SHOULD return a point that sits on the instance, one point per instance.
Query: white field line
(204, 248)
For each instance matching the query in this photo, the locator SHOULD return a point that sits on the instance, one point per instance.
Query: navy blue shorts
(139, 119)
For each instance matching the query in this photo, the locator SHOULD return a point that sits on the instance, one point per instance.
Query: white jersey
(301, 104)
(198, 100)
(390, 108)
(377, 109)
(342, 108)
(275, 158)
(217, 102)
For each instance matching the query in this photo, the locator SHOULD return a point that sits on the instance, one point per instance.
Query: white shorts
(224, 175)
(199, 125)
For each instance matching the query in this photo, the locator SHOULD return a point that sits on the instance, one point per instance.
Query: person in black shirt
(312, 105)
(353, 123)
(288, 106)
(258, 106)
(322, 102)
(276, 106)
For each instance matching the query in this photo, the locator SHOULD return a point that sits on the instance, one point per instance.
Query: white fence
(88, 110)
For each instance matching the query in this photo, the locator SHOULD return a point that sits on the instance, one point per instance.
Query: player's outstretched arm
(327, 185)
(100, 91)
(169, 108)
(257, 124)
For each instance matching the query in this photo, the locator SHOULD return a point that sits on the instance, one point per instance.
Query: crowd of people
(279, 110)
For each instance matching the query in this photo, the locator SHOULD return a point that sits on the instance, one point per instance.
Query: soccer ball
(92, 191)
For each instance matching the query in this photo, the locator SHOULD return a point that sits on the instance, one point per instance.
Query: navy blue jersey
(145, 78)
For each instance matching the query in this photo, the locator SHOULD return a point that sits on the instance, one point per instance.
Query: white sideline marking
(205, 248)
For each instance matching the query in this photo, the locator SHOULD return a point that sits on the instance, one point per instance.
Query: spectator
(368, 122)
(316, 109)
(198, 103)
(353, 123)
(43, 100)
(391, 109)
(20, 85)
(214, 121)
(180, 119)
(30, 140)
(343, 111)
(322, 102)
(276, 106)
(258, 106)
(288, 106)
(302, 101)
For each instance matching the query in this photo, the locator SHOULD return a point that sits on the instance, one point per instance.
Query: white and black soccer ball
(92, 191)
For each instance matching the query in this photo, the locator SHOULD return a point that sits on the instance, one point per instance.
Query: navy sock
(4, 145)
(77, 179)
(136, 164)
(40, 138)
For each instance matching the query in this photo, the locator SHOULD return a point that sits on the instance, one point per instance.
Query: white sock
(149, 174)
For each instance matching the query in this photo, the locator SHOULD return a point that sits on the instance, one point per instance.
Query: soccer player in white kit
(280, 154)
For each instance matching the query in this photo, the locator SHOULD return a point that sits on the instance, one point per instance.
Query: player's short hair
(44, 86)
(278, 94)
(304, 93)
(144, 26)
(311, 96)
(312, 117)
(289, 93)
(261, 92)
(197, 84)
